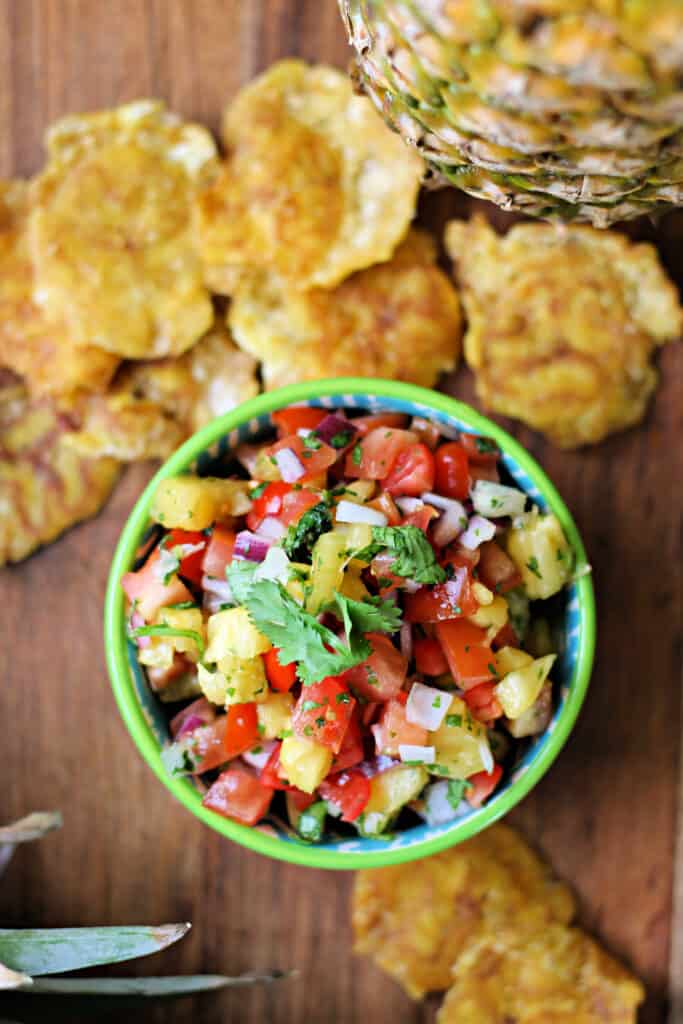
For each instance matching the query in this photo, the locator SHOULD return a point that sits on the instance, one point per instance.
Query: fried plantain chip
(416, 920)
(562, 323)
(31, 344)
(399, 320)
(154, 406)
(110, 229)
(45, 486)
(556, 976)
(315, 185)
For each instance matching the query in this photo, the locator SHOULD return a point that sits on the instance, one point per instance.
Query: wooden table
(607, 813)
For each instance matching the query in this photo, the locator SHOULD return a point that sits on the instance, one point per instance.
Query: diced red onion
(332, 425)
(478, 530)
(248, 545)
(411, 752)
(427, 706)
(136, 621)
(259, 756)
(290, 465)
(351, 512)
(408, 505)
(406, 637)
(247, 456)
(199, 712)
(271, 528)
(377, 765)
(220, 588)
(496, 500)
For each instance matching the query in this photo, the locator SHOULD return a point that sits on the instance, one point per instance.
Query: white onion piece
(408, 505)
(426, 706)
(450, 525)
(271, 528)
(478, 530)
(438, 808)
(290, 465)
(438, 501)
(410, 752)
(496, 500)
(165, 565)
(350, 512)
(259, 756)
(275, 566)
(406, 637)
(217, 593)
(486, 756)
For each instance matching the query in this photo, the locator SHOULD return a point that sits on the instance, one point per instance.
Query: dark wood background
(606, 814)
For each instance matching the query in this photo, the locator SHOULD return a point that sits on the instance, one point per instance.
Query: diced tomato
(441, 601)
(496, 569)
(469, 657)
(429, 658)
(191, 565)
(303, 417)
(484, 472)
(412, 472)
(300, 799)
(199, 709)
(323, 711)
(271, 772)
(382, 675)
(295, 504)
(427, 431)
(482, 785)
(370, 712)
(147, 588)
(269, 503)
(280, 677)
(218, 554)
(505, 637)
(351, 751)
(374, 456)
(209, 745)
(482, 702)
(394, 730)
(380, 567)
(160, 678)
(364, 424)
(421, 518)
(452, 476)
(315, 461)
(349, 790)
(456, 556)
(239, 795)
(241, 732)
(385, 503)
(481, 451)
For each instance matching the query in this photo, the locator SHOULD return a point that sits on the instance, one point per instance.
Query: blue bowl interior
(564, 672)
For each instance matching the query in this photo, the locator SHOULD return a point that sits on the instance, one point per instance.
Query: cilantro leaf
(413, 554)
(300, 538)
(456, 791)
(372, 616)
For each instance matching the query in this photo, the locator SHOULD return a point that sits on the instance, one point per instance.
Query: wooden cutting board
(606, 815)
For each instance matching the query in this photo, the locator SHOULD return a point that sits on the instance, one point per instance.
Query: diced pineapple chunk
(232, 632)
(491, 616)
(389, 792)
(541, 552)
(510, 658)
(265, 467)
(235, 681)
(158, 653)
(328, 561)
(461, 743)
(481, 594)
(361, 490)
(536, 718)
(275, 715)
(213, 684)
(304, 762)
(520, 688)
(357, 535)
(193, 503)
(183, 618)
(353, 586)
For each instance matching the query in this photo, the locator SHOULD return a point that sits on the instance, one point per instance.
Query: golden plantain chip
(415, 920)
(110, 229)
(315, 185)
(31, 344)
(562, 323)
(399, 320)
(556, 976)
(154, 406)
(45, 486)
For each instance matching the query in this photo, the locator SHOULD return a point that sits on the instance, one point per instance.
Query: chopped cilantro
(300, 539)
(413, 554)
(191, 634)
(357, 455)
(436, 703)
(485, 446)
(532, 566)
(258, 490)
(454, 720)
(492, 669)
(343, 698)
(456, 791)
(308, 730)
(310, 705)
(341, 439)
(312, 442)
(182, 605)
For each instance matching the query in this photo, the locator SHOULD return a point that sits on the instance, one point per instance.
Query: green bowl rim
(116, 644)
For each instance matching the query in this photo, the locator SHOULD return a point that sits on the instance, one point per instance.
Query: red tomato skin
(241, 731)
(328, 720)
(270, 773)
(429, 657)
(191, 565)
(381, 676)
(482, 785)
(349, 790)
(412, 473)
(239, 795)
(288, 421)
(150, 591)
(351, 751)
(379, 450)
(315, 461)
(267, 504)
(394, 420)
(295, 504)
(421, 518)
(394, 729)
(482, 702)
(471, 442)
(209, 745)
(440, 602)
(452, 471)
(496, 569)
(218, 554)
(469, 657)
(484, 472)
(280, 677)
(300, 799)
(385, 503)
(505, 637)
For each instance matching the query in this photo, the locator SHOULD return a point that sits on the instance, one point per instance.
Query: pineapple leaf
(38, 951)
(33, 826)
(152, 987)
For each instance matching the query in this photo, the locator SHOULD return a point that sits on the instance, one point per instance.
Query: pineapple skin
(561, 109)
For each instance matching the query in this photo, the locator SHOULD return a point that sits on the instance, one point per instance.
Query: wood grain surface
(606, 815)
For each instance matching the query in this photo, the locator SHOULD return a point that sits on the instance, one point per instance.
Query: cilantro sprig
(413, 554)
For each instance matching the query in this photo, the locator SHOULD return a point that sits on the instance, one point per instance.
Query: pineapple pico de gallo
(348, 623)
